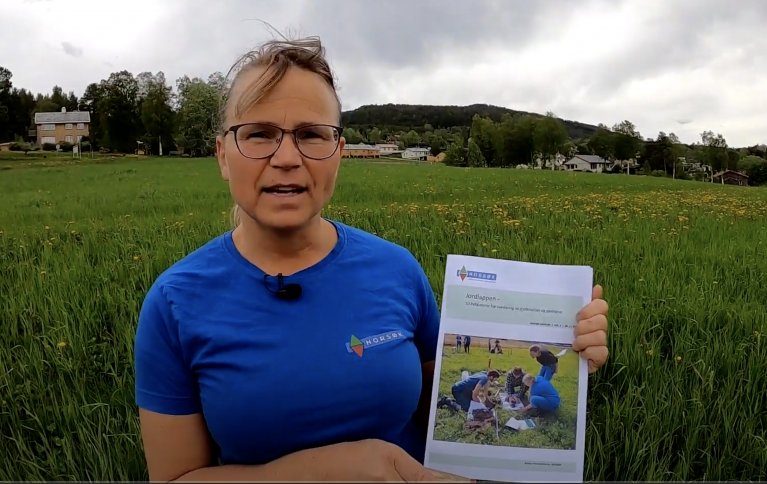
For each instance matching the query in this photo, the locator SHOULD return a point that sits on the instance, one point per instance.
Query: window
(48, 127)
(69, 139)
(48, 139)
(68, 126)
(80, 125)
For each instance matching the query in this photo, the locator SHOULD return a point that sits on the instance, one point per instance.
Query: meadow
(683, 265)
(554, 432)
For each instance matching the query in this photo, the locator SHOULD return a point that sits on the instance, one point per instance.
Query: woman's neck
(284, 252)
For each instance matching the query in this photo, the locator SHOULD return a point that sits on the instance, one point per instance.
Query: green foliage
(549, 138)
(756, 169)
(156, 112)
(455, 155)
(198, 115)
(484, 134)
(409, 139)
(352, 136)
(404, 117)
(474, 157)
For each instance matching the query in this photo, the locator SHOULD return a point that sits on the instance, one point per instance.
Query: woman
(292, 347)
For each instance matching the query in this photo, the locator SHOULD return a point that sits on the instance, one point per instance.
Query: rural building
(5, 146)
(360, 151)
(731, 177)
(61, 127)
(386, 148)
(416, 154)
(592, 163)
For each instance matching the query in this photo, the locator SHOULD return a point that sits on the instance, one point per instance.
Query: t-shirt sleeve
(427, 329)
(164, 380)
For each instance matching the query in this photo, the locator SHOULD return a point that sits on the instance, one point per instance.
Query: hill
(414, 116)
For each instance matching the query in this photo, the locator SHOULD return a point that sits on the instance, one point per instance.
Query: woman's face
(287, 190)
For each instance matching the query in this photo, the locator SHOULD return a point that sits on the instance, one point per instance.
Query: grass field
(683, 264)
(549, 433)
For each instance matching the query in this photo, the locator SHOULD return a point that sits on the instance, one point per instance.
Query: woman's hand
(591, 331)
(377, 460)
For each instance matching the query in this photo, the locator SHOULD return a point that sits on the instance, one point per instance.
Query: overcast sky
(681, 66)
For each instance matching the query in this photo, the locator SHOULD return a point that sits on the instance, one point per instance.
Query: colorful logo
(358, 346)
(476, 275)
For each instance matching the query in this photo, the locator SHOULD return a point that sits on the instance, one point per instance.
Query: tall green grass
(683, 265)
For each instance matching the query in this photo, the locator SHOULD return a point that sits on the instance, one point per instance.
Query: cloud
(682, 66)
(72, 50)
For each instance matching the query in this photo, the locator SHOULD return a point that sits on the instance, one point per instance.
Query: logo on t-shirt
(476, 275)
(359, 345)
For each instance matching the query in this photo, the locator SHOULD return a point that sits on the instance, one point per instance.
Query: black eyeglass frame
(292, 132)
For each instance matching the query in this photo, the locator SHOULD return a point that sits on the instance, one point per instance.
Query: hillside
(415, 116)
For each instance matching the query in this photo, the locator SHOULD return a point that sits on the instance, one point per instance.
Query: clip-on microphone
(287, 292)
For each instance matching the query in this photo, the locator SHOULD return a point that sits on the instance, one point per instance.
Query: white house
(416, 154)
(592, 163)
(385, 148)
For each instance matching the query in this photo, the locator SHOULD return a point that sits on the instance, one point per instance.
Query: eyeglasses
(260, 140)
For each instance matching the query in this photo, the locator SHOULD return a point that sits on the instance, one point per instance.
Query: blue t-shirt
(271, 376)
(543, 388)
(468, 385)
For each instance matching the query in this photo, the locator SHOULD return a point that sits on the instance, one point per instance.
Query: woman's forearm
(306, 465)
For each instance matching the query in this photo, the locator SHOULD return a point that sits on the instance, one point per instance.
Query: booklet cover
(509, 392)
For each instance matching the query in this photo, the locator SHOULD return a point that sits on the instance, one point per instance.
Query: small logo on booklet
(476, 275)
(358, 346)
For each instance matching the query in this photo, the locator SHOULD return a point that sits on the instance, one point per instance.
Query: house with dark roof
(62, 127)
(592, 163)
(731, 177)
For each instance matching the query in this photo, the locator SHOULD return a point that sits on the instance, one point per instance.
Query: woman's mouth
(284, 190)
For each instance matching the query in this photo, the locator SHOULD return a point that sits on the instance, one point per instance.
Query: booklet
(509, 392)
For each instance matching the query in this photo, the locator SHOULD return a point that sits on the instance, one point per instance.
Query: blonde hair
(275, 56)
(528, 379)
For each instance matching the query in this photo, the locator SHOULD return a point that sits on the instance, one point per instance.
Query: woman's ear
(223, 166)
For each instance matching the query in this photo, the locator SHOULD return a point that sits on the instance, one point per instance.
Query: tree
(352, 136)
(5, 101)
(374, 136)
(474, 156)
(517, 145)
(659, 154)
(455, 155)
(93, 102)
(550, 136)
(715, 150)
(197, 115)
(602, 143)
(121, 122)
(484, 133)
(756, 169)
(155, 99)
(437, 144)
(627, 127)
(411, 138)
